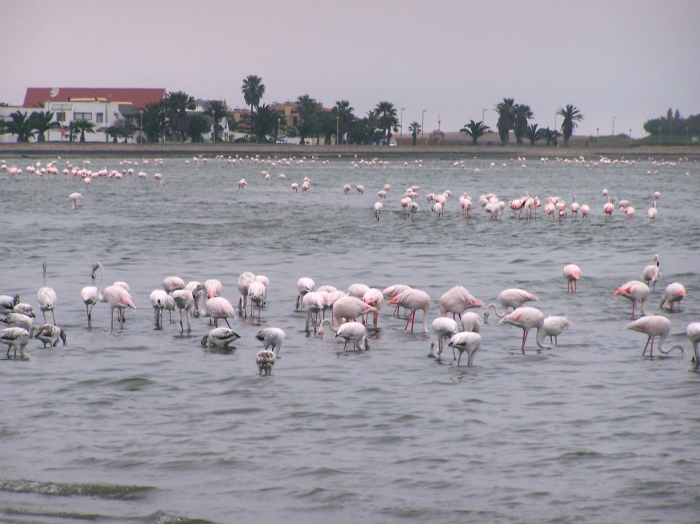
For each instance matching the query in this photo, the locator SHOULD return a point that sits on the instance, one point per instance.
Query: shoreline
(321, 151)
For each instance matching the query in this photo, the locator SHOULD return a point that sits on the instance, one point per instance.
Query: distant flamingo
(693, 332)
(49, 334)
(348, 308)
(652, 212)
(46, 297)
(377, 209)
(457, 300)
(90, 295)
(304, 285)
(527, 318)
(74, 197)
(585, 211)
(213, 288)
(465, 341)
(635, 291)
(674, 293)
(158, 298)
(608, 208)
(219, 307)
(350, 331)
(654, 326)
(118, 298)
(651, 273)
(571, 273)
(15, 337)
(554, 326)
(444, 328)
(271, 337)
(245, 279)
(413, 300)
(184, 300)
(509, 298)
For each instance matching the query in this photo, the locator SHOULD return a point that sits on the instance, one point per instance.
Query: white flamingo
(46, 297)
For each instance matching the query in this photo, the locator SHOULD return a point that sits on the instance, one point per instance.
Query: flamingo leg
(409, 320)
(525, 332)
(460, 358)
(646, 345)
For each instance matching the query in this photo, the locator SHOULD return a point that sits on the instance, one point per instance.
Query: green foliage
(82, 126)
(415, 129)
(385, 113)
(506, 119)
(217, 110)
(197, 126)
(20, 125)
(176, 106)
(522, 114)
(571, 115)
(253, 90)
(533, 134)
(674, 130)
(475, 130)
(42, 123)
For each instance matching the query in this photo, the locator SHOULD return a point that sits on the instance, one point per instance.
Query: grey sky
(629, 59)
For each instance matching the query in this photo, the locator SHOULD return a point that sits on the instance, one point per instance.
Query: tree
(21, 126)
(533, 134)
(364, 130)
(177, 104)
(386, 119)
(522, 114)
(550, 135)
(344, 116)
(217, 110)
(253, 90)
(308, 110)
(415, 129)
(154, 120)
(571, 115)
(198, 125)
(506, 119)
(475, 130)
(83, 126)
(42, 123)
(115, 132)
(261, 122)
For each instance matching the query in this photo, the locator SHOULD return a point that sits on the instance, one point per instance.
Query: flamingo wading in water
(654, 326)
(527, 318)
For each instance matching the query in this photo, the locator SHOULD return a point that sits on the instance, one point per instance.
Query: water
(140, 425)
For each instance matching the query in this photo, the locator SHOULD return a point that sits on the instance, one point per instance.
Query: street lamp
(613, 132)
(337, 128)
(661, 128)
(422, 126)
(141, 127)
(630, 138)
(401, 136)
(483, 117)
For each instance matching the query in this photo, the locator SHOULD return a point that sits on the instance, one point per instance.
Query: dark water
(141, 425)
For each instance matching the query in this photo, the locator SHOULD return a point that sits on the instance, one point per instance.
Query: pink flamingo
(571, 273)
(457, 300)
(171, 284)
(118, 298)
(527, 318)
(654, 326)
(392, 291)
(651, 273)
(554, 326)
(635, 291)
(608, 208)
(509, 298)
(213, 288)
(348, 308)
(413, 300)
(245, 279)
(304, 286)
(184, 300)
(374, 298)
(585, 210)
(693, 332)
(159, 299)
(350, 331)
(444, 328)
(219, 307)
(313, 301)
(465, 341)
(46, 297)
(674, 293)
(90, 295)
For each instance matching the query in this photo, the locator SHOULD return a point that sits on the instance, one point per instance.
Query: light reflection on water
(587, 431)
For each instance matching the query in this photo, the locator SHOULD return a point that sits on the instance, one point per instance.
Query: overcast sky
(627, 60)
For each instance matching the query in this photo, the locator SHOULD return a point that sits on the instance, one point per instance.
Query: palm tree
(344, 116)
(42, 123)
(84, 127)
(550, 135)
(154, 120)
(262, 122)
(571, 115)
(415, 129)
(533, 134)
(253, 90)
(506, 119)
(198, 125)
(177, 105)
(475, 130)
(308, 110)
(386, 119)
(21, 126)
(217, 110)
(522, 113)
(364, 130)
(115, 131)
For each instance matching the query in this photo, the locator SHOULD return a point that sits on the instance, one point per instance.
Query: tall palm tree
(217, 110)
(42, 123)
(506, 119)
(533, 134)
(415, 129)
(475, 130)
(522, 114)
(84, 127)
(263, 121)
(177, 104)
(21, 126)
(154, 120)
(253, 90)
(344, 116)
(386, 118)
(308, 110)
(571, 115)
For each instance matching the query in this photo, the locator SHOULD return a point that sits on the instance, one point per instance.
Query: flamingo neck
(540, 337)
(662, 339)
(495, 310)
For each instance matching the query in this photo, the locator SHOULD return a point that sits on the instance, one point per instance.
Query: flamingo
(457, 300)
(7, 303)
(90, 295)
(313, 301)
(349, 331)
(654, 326)
(15, 337)
(272, 337)
(674, 293)
(17, 320)
(651, 273)
(265, 282)
(46, 297)
(118, 298)
(49, 334)
(220, 337)
(357, 290)
(527, 318)
(74, 197)
(304, 285)
(413, 300)
(585, 210)
(245, 279)
(213, 288)
(24, 309)
(348, 308)
(444, 328)
(652, 212)
(377, 210)
(555, 326)
(159, 299)
(465, 341)
(635, 291)
(575, 207)
(171, 284)
(509, 298)
(571, 273)
(184, 300)
(219, 307)
(256, 293)
(693, 332)
(392, 291)
(608, 208)
(471, 321)
(265, 359)
(198, 291)
(375, 298)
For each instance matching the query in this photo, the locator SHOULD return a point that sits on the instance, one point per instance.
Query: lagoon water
(141, 425)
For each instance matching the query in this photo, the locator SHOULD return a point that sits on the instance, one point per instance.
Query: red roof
(36, 96)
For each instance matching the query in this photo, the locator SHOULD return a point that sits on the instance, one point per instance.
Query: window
(57, 106)
(99, 117)
(60, 116)
(82, 116)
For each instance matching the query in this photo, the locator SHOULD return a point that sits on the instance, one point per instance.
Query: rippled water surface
(145, 425)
